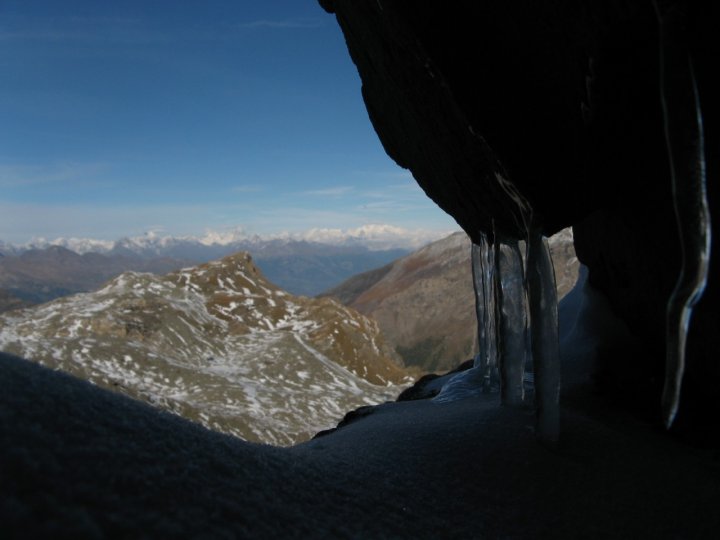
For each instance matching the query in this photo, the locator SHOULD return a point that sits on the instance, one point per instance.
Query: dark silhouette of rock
(557, 105)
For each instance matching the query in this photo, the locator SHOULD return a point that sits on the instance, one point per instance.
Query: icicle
(512, 323)
(483, 377)
(501, 309)
(684, 136)
(507, 299)
(484, 283)
(542, 297)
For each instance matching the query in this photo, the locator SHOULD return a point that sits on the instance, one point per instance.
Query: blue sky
(122, 117)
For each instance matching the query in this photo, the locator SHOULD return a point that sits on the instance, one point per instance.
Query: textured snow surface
(77, 461)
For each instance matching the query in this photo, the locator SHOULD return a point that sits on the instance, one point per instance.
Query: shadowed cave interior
(564, 102)
(514, 117)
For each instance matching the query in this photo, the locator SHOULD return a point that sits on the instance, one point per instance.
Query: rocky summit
(218, 344)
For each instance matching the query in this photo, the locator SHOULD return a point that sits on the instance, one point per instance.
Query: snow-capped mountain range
(374, 237)
(218, 344)
(303, 263)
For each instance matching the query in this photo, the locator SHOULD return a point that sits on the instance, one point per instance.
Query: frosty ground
(83, 462)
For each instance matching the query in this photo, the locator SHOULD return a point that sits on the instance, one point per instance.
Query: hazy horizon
(374, 236)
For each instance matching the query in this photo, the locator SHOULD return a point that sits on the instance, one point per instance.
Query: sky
(118, 118)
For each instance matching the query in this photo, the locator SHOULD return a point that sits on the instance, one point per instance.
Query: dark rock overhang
(559, 98)
(500, 106)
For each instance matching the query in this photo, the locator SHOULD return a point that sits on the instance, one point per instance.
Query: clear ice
(513, 322)
(684, 137)
(516, 307)
(484, 376)
(482, 258)
(544, 337)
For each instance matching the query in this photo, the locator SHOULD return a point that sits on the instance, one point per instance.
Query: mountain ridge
(217, 343)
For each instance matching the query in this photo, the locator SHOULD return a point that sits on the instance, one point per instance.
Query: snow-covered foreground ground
(82, 462)
(78, 461)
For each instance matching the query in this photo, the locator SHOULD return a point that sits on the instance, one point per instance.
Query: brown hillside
(424, 302)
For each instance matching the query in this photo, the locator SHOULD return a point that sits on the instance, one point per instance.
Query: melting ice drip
(517, 320)
(684, 136)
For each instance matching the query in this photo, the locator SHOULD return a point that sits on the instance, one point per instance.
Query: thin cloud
(28, 175)
(395, 174)
(392, 207)
(337, 191)
(408, 186)
(284, 23)
(410, 193)
(250, 188)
